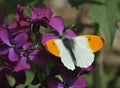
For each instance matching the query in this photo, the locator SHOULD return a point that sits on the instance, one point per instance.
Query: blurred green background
(99, 17)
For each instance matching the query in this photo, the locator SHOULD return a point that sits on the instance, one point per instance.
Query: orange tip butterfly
(76, 51)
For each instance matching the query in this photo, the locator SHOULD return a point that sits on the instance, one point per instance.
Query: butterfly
(75, 51)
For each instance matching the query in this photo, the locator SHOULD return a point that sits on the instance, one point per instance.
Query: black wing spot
(89, 39)
(54, 43)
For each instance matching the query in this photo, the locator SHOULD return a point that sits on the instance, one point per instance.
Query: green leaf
(29, 77)
(34, 86)
(21, 86)
(89, 79)
(106, 15)
(30, 74)
(11, 80)
(59, 77)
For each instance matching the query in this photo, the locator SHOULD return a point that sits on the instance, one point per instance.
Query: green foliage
(103, 12)
(76, 3)
(9, 6)
(30, 74)
(89, 79)
(30, 86)
(106, 15)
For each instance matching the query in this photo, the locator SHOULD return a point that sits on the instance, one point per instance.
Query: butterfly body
(75, 51)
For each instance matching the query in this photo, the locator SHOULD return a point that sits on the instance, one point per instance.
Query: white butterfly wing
(65, 55)
(83, 50)
(84, 56)
(81, 41)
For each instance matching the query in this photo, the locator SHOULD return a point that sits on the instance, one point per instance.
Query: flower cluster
(23, 42)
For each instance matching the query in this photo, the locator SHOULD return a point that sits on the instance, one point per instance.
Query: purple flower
(43, 16)
(69, 80)
(11, 45)
(58, 25)
(20, 24)
(37, 56)
(40, 14)
(22, 65)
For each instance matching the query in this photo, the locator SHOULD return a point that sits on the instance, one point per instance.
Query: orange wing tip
(95, 42)
(52, 48)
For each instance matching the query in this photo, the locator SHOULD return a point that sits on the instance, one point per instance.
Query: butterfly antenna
(72, 25)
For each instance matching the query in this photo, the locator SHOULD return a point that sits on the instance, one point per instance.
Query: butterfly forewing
(92, 42)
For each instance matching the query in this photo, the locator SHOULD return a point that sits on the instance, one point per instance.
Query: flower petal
(33, 54)
(24, 24)
(54, 83)
(20, 39)
(57, 23)
(4, 35)
(27, 45)
(48, 13)
(13, 55)
(48, 36)
(70, 33)
(4, 49)
(37, 13)
(39, 57)
(67, 75)
(19, 14)
(22, 65)
(80, 82)
(86, 70)
(41, 12)
(13, 25)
